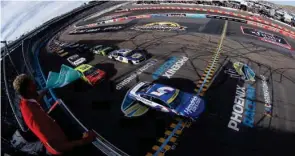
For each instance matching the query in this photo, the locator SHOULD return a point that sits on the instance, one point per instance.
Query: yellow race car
(91, 74)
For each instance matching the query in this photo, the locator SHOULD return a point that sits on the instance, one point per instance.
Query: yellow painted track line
(204, 82)
(176, 127)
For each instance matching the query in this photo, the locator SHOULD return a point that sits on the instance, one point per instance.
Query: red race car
(91, 74)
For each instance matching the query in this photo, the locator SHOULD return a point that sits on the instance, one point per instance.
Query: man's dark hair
(21, 84)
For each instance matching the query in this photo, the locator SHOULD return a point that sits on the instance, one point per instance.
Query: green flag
(64, 77)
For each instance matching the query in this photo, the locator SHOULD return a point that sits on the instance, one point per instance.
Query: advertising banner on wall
(266, 37)
(112, 28)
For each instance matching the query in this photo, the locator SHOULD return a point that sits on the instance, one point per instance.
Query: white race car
(76, 60)
(166, 99)
(128, 56)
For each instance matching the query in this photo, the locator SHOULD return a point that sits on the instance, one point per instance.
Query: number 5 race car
(167, 99)
(90, 74)
(128, 56)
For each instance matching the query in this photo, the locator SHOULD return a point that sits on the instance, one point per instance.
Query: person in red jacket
(40, 123)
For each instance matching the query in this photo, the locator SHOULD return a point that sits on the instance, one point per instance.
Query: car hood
(165, 93)
(136, 56)
(191, 105)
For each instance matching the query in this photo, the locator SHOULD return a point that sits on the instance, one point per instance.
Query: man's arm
(65, 146)
(41, 95)
(87, 138)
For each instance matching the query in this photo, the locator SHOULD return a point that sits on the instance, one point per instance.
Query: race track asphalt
(99, 107)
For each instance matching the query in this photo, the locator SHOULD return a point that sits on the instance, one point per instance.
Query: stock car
(69, 45)
(167, 99)
(91, 74)
(128, 56)
(82, 48)
(245, 71)
(102, 50)
(62, 53)
(76, 60)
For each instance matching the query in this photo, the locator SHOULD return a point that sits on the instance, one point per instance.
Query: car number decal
(162, 90)
(136, 55)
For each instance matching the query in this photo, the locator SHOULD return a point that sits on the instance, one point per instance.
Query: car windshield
(107, 48)
(74, 58)
(90, 71)
(128, 53)
(98, 47)
(145, 87)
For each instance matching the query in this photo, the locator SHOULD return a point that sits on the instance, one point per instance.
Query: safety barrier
(270, 28)
(100, 13)
(227, 18)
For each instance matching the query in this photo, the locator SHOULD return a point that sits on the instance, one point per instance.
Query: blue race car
(128, 56)
(167, 99)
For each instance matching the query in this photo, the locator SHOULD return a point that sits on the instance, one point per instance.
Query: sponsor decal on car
(135, 74)
(266, 37)
(160, 26)
(193, 106)
(136, 55)
(170, 67)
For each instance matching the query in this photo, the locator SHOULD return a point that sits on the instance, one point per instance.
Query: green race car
(102, 50)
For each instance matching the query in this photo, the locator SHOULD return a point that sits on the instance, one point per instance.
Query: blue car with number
(128, 56)
(167, 99)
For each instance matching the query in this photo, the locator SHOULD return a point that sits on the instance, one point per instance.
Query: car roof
(74, 56)
(83, 67)
(123, 51)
